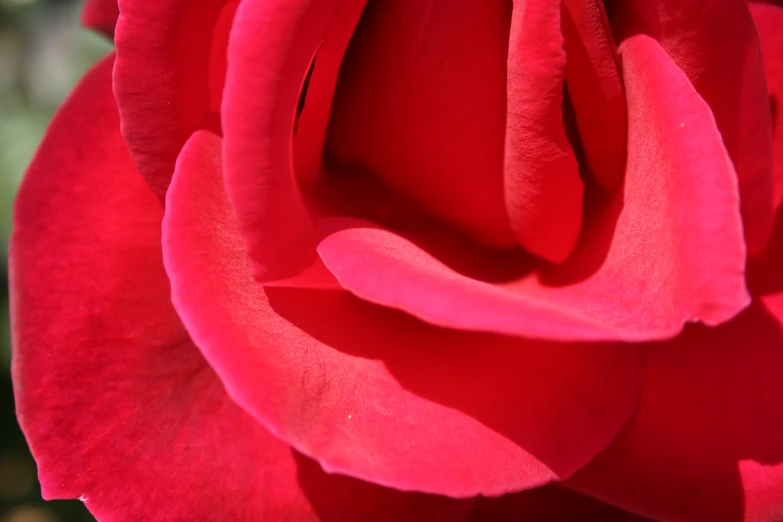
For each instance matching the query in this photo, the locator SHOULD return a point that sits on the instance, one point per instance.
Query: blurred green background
(43, 52)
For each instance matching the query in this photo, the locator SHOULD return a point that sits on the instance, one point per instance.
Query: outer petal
(371, 392)
(119, 407)
(169, 73)
(715, 44)
(549, 504)
(769, 20)
(101, 15)
(665, 250)
(543, 191)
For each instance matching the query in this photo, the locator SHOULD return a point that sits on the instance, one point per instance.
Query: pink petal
(595, 88)
(101, 15)
(373, 393)
(168, 77)
(715, 44)
(549, 504)
(421, 105)
(769, 20)
(666, 250)
(543, 190)
(120, 409)
(271, 48)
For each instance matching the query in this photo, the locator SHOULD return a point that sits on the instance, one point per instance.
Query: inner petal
(421, 103)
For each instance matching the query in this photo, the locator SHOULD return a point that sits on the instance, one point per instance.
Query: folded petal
(716, 46)
(705, 442)
(101, 15)
(595, 87)
(168, 77)
(120, 409)
(370, 392)
(769, 20)
(543, 190)
(665, 250)
(271, 49)
(316, 100)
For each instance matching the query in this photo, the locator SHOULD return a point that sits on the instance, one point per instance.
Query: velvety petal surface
(421, 104)
(595, 88)
(716, 45)
(101, 15)
(120, 409)
(705, 441)
(271, 49)
(548, 504)
(769, 20)
(168, 77)
(666, 249)
(543, 190)
(370, 392)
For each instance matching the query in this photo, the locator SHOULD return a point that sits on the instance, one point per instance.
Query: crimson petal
(769, 20)
(595, 88)
(716, 46)
(705, 441)
(409, 108)
(370, 392)
(168, 77)
(120, 409)
(271, 48)
(543, 190)
(674, 234)
(101, 15)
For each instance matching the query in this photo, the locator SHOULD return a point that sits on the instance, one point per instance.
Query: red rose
(445, 250)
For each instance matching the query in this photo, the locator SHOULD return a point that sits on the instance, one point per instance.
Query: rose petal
(371, 392)
(271, 48)
(168, 77)
(120, 409)
(101, 15)
(543, 190)
(666, 251)
(548, 504)
(705, 441)
(315, 104)
(715, 44)
(595, 88)
(769, 20)
(410, 110)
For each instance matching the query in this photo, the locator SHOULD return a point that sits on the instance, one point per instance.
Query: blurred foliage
(43, 52)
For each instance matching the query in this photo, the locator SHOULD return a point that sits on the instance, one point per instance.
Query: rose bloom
(410, 260)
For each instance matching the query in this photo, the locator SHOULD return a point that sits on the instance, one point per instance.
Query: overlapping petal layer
(664, 250)
(715, 44)
(370, 392)
(120, 409)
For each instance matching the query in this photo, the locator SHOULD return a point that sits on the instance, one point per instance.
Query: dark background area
(43, 52)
